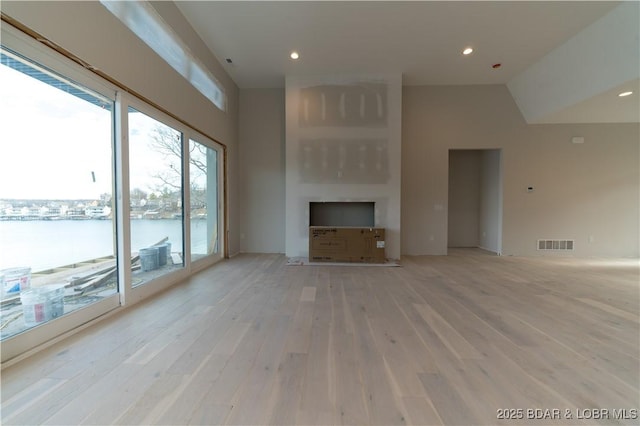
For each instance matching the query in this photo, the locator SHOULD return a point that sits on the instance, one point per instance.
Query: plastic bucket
(15, 280)
(162, 254)
(149, 258)
(42, 304)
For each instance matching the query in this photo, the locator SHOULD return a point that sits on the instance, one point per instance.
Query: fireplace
(343, 152)
(359, 213)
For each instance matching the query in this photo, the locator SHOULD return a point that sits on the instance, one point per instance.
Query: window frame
(141, 292)
(209, 260)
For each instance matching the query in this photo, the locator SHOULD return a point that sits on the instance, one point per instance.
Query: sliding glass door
(155, 198)
(104, 199)
(57, 227)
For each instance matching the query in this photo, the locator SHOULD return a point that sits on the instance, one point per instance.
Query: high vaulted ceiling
(421, 40)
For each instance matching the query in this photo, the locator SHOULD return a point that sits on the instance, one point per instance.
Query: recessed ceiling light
(623, 94)
(294, 55)
(467, 51)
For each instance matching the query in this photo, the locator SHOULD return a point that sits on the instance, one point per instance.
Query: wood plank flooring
(441, 340)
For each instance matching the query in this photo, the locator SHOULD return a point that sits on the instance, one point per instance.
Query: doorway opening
(475, 199)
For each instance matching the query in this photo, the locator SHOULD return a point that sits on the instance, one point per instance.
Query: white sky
(51, 141)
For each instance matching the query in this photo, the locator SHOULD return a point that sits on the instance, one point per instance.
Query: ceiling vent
(555, 244)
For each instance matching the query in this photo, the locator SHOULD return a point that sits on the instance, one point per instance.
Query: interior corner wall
(262, 178)
(343, 143)
(490, 230)
(90, 32)
(587, 192)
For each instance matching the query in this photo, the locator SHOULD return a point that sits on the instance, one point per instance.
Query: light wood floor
(441, 340)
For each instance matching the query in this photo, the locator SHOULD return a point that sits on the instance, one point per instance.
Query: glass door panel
(203, 182)
(156, 213)
(57, 228)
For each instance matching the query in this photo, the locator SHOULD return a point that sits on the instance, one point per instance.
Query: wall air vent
(555, 244)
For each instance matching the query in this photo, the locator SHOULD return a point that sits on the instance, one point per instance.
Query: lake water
(49, 244)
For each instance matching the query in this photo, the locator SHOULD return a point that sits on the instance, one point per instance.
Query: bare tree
(168, 142)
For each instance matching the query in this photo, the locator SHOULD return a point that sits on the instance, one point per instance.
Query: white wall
(490, 221)
(262, 181)
(90, 32)
(581, 191)
(465, 169)
(342, 144)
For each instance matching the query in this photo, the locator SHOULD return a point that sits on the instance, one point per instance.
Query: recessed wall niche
(360, 213)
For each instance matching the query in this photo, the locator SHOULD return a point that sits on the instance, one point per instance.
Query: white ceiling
(422, 40)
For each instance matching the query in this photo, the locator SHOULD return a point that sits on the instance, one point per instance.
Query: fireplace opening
(358, 213)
